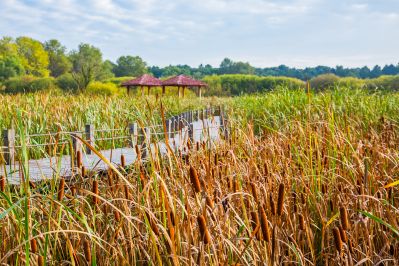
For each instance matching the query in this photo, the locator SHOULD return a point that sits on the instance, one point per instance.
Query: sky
(265, 33)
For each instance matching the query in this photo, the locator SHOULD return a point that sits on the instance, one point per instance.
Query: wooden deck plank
(47, 168)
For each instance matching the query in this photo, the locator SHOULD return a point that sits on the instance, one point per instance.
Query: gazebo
(145, 80)
(183, 82)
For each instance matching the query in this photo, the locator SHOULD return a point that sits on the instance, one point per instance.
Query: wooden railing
(133, 134)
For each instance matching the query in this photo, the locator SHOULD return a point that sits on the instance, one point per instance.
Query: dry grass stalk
(2, 183)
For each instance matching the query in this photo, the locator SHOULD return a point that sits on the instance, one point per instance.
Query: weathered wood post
(89, 130)
(145, 141)
(169, 125)
(9, 145)
(224, 123)
(191, 132)
(163, 90)
(133, 134)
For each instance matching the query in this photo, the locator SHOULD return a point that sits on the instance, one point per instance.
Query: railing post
(89, 130)
(191, 132)
(224, 123)
(168, 123)
(145, 141)
(9, 145)
(133, 134)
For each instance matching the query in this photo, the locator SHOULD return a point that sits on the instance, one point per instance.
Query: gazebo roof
(144, 80)
(183, 80)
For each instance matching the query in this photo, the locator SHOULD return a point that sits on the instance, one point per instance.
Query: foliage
(103, 88)
(325, 81)
(130, 66)
(67, 83)
(33, 56)
(28, 84)
(229, 67)
(226, 85)
(59, 63)
(386, 83)
(117, 80)
(10, 66)
(86, 65)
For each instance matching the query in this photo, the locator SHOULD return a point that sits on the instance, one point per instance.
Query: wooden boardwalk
(47, 168)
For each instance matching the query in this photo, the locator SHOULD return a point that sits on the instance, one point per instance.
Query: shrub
(66, 83)
(118, 81)
(325, 81)
(237, 84)
(28, 84)
(351, 82)
(102, 88)
(386, 83)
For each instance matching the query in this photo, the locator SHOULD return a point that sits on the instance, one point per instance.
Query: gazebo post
(178, 91)
(163, 90)
(184, 88)
(199, 91)
(127, 89)
(142, 91)
(148, 90)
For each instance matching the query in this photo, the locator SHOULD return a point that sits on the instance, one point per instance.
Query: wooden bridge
(194, 126)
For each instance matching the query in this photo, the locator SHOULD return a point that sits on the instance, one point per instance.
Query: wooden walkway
(47, 168)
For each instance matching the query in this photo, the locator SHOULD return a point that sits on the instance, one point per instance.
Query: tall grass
(301, 180)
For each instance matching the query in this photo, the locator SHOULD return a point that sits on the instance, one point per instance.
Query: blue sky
(263, 32)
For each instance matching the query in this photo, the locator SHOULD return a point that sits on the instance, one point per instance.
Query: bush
(351, 82)
(102, 88)
(237, 84)
(323, 82)
(66, 83)
(118, 81)
(386, 83)
(28, 84)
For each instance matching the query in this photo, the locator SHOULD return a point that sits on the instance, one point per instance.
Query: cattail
(280, 201)
(198, 146)
(95, 191)
(2, 183)
(195, 180)
(73, 191)
(337, 239)
(61, 189)
(138, 152)
(254, 192)
(117, 216)
(343, 235)
(204, 233)
(264, 225)
(209, 202)
(33, 245)
(301, 222)
(78, 159)
(256, 223)
(344, 218)
(83, 171)
(153, 225)
(123, 162)
(272, 205)
(87, 250)
(40, 260)
(126, 190)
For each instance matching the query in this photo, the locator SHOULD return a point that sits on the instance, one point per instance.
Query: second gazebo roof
(183, 81)
(144, 80)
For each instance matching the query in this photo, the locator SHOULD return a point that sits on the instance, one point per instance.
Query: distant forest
(26, 56)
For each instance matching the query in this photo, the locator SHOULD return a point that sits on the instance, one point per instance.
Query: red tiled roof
(144, 80)
(182, 80)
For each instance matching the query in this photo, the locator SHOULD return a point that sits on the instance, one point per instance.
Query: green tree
(106, 70)
(58, 61)
(87, 65)
(8, 47)
(10, 66)
(132, 66)
(34, 58)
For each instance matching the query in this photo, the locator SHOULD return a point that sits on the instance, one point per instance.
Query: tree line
(25, 56)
